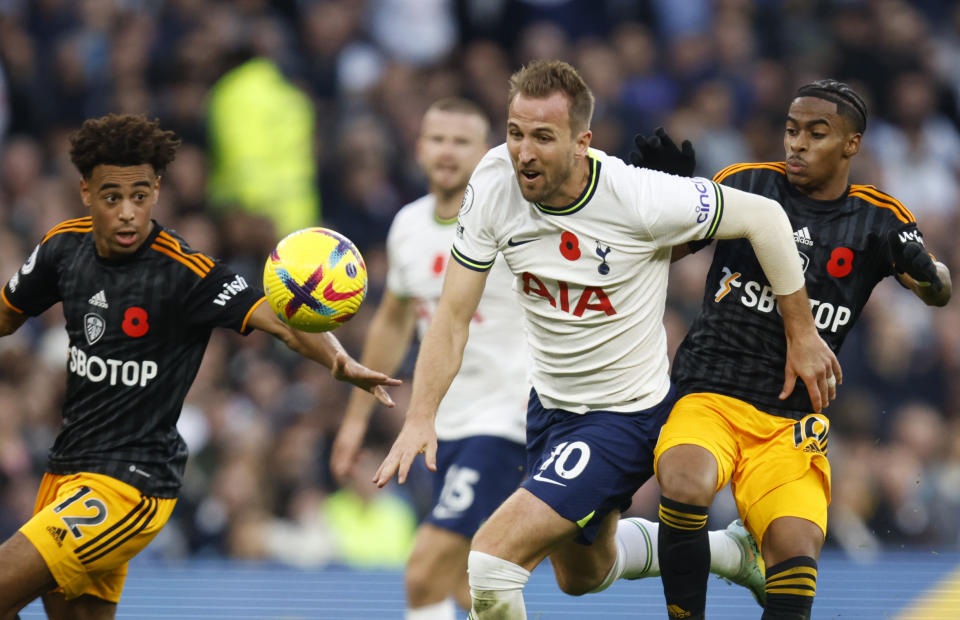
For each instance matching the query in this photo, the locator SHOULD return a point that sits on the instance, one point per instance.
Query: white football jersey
(490, 392)
(591, 276)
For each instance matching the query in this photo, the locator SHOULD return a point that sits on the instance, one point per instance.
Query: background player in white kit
(590, 240)
(480, 423)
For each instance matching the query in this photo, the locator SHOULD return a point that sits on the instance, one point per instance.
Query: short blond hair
(542, 78)
(459, 105)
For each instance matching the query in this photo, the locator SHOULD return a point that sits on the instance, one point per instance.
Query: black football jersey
(736, 345)
(138, 328)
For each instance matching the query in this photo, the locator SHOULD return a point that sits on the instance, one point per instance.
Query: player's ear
(156, 188)
(85, 193)
(852, 145)
(583, 142)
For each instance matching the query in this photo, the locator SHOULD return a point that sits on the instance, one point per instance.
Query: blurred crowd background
(296, 113)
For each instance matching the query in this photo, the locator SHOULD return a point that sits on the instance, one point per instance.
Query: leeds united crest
(93, 327)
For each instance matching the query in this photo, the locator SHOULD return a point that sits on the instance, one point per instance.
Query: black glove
(911, 258)
(660, 152)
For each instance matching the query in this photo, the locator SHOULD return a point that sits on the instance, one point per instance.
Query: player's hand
(660, 152)
(417, 436)
(345, 368)
(811, 359)
(911, 258)
(346, 448)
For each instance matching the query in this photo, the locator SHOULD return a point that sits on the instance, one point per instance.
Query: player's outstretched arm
(327, 350)
(931, 294)
(10, 319)
(384, 347)
(918, 270)
(763, 222)
(437, 364)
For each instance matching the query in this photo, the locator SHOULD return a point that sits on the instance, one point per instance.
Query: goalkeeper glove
(660, 152)
(911, 258)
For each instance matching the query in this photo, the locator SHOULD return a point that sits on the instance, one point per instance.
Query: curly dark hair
(122, 140)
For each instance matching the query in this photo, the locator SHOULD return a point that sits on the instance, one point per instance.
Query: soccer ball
(315, 279)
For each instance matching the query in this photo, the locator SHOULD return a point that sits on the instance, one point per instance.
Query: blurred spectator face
(187, 177)
(542, 145)
(636, 49)
(543, 40)
(913, 99)
(20, 166)
(818, 143)
(451, 145)
(713, 102)
(920, 429)
(600, 66)
(329, 26)
(121, 199)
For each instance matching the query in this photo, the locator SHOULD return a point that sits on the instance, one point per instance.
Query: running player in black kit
(139, 307)
(730, 425)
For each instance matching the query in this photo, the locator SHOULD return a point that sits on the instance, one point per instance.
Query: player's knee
(419, 585)
(23, 575)
(85, 607)
(688, 476)
(496, 587)
(488, 572)
(688, 487)
(789, 537)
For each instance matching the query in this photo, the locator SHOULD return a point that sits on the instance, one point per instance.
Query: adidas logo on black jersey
(100, 299)
(802, 236)
(58, 534)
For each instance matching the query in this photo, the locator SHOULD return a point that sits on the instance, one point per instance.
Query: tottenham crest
(93, 327)
(467, 201)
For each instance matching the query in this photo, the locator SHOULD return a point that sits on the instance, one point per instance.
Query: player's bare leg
(84, 607)
(791, 547)
(24, 575)
(789, 537)
(437, 569)
(514, 540)
(580, 569)
(688, 479)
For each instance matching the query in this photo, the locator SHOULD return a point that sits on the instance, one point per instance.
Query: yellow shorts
(777, 467)
(88, 526)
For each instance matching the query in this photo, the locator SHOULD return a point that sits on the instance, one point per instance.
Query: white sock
(444, 610)
(496, 587)
(636, 552)
(638, 537)
(725, 554)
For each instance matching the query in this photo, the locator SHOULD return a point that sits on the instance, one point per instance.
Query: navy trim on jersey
(585, 196)
(470, 263)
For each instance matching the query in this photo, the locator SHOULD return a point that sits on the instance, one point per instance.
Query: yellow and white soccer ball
(315, 279)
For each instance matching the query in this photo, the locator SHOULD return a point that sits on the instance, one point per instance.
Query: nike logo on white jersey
(515, 242)
(99, 300)
(802, 236)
